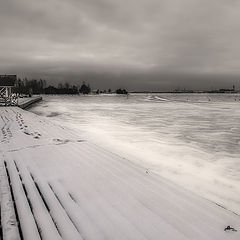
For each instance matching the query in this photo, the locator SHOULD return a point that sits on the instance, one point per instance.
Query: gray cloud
(147, 44)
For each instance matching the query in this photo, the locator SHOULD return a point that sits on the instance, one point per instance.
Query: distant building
(224, 90)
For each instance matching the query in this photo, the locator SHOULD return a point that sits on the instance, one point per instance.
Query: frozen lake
(191, 139)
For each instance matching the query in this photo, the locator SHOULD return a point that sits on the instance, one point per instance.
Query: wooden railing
(7, 98)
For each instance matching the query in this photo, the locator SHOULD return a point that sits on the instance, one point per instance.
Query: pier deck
(27, 102)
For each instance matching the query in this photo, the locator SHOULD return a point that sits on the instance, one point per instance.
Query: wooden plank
(9, 222)
(39, 208)
(81, 220)
(27, 220)
(65, 225)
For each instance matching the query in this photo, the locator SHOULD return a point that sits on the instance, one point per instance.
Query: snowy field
(191, 139)
(57, 183)
(65, 187)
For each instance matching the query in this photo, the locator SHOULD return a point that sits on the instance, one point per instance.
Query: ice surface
(190, 139)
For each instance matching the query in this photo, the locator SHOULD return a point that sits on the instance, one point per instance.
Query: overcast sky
(137, 44)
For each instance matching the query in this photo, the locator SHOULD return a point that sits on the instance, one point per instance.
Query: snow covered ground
(65, 187)
(191, 139)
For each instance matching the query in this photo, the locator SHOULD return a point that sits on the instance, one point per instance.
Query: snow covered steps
(8, 219)
(32, 208)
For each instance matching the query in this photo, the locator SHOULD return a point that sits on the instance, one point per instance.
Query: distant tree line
(121, 91)
(33, 86)
(109, 91)
(68, 89)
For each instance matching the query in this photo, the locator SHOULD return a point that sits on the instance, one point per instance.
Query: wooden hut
(7, 82)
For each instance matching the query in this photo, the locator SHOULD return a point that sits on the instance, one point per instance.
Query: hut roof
(7, 80)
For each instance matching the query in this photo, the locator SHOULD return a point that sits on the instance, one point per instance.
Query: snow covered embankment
(58, 186)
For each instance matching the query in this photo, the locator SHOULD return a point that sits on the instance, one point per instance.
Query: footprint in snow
(229, 228)
(27, 133)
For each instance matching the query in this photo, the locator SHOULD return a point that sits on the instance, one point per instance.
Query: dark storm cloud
(144, 43)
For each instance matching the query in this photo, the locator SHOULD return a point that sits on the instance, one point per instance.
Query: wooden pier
(24, 103)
